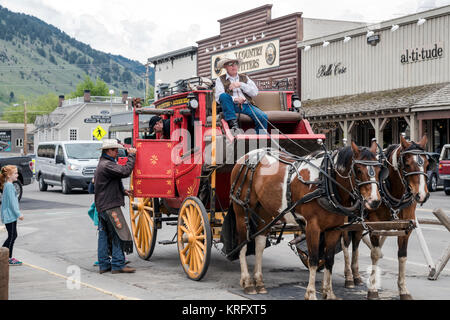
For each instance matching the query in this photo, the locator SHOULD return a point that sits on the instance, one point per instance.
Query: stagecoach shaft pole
(424, 247)
(213, 163)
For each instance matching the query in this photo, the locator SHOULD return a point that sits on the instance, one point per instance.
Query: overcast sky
(140, 29)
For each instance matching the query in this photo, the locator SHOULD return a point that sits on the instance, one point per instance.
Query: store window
(73, 134)
(19, 142)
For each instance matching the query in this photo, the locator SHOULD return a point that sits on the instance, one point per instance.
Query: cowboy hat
(111, 144)
(227, 59)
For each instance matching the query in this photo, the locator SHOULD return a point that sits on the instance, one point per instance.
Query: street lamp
(111, 92)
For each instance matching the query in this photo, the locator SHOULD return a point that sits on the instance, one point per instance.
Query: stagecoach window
(83, 150)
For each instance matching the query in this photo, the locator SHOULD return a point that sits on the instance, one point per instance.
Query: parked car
(24, 168)
(433, 175)
(69, 164)
(444, 168)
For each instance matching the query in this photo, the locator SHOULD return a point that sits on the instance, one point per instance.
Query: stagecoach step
(172, 223)
(164, 242)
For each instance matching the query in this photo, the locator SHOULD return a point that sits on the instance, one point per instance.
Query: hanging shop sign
(255, 57)
(420, 54)
(5, 140)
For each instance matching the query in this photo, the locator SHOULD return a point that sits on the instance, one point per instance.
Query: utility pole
(25, 138)
(146, 81)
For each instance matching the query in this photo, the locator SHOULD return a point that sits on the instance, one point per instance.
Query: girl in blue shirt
(10, 209)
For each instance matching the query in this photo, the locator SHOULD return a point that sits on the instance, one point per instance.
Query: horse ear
(423, 142)
(355, 149)
(405, 144)
(374, 147)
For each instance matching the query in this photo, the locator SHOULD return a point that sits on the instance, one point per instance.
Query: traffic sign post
(99, 133)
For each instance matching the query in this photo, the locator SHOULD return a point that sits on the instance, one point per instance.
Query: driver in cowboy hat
(234, 92)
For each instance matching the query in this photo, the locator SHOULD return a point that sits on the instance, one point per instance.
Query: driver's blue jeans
(230, 109)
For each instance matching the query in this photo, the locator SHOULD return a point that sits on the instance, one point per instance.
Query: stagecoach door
(153, 174)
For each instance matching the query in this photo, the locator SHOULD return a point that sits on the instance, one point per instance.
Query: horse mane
(393, 147)
(345, 156)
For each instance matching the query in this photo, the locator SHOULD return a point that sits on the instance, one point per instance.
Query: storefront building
(267, 47)
(173, 66)
(380, 81)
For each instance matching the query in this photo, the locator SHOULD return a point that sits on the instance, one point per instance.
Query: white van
(69, 164)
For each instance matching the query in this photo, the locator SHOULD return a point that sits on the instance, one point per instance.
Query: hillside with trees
(39, 59)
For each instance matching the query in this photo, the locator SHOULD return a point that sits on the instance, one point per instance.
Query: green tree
(150, 94)
(97, 88)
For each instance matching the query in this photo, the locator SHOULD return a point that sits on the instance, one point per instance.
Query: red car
(444, 168)
(123, 155)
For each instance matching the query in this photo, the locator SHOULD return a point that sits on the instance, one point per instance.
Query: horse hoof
(250, 290)
(358, 282)
(406, 297)
(349, 284)
(372, 295)
(261, 289)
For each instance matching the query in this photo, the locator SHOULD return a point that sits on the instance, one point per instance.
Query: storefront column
(347, 129)
(411, 120)
(376, 125)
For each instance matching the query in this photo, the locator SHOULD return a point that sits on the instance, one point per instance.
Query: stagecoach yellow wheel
(194, 238)
(143, 225)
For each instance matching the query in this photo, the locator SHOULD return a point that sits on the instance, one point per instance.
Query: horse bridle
(404, 175)
(369, 164)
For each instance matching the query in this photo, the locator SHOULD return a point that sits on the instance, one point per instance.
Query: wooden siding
(255, 22)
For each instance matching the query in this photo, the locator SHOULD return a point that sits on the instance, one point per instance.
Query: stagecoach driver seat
(234, 92)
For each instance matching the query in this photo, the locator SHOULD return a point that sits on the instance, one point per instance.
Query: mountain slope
(37, 58)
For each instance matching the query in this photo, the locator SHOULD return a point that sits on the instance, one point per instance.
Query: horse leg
(402, 250)
(260, 245)
(331, 239)
(246, 281)
(345, 243)
(375, 255)
(312, 239)
(356, 239)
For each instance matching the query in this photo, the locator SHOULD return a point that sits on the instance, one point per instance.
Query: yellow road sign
(99, 132)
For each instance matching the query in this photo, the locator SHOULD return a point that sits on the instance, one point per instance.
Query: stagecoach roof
(381, 101)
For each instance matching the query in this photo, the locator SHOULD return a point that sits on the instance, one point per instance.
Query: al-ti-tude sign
(255, 57)
(425, 53)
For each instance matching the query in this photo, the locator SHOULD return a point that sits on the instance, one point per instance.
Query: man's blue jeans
(230, 109)
(117, 259)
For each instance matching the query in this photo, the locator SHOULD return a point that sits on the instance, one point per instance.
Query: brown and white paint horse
(269, 191)
(401, 162)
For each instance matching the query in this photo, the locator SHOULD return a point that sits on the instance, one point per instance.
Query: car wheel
(42, 185)
(65, 186)
(447, 192)
(19, 189)
(432, 184)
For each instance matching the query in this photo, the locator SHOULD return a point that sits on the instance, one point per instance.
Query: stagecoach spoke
(184, 250)
(202, 237)
(200, 244)
(186, 223)
(199, 229)
(184, 229)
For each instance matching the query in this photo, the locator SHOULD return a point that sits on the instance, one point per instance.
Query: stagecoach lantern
(296, 103)
(193, 102)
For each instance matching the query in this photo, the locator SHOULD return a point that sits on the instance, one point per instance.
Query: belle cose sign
(430, 52)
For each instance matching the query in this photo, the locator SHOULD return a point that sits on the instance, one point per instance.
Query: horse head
(363, 170)
(366, 171)
(411, 160)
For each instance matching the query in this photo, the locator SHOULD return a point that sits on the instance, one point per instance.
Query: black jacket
(109, 190)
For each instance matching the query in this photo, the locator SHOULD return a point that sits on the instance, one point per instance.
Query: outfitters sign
(256, 57)
(430, 52)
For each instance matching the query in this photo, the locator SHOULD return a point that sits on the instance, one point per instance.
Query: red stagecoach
(185, 180)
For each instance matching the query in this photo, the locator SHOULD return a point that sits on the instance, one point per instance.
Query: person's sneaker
(14, 262)
(96, 264)
(127, 261)
(124, 270)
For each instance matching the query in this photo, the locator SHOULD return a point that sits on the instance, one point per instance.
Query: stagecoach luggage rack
(186, 85)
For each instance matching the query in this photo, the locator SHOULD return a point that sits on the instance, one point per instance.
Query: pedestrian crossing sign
(99, 133)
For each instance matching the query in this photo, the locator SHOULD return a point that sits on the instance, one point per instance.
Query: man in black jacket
(109, 197)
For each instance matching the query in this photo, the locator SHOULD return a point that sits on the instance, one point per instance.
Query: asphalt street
(57, 243)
